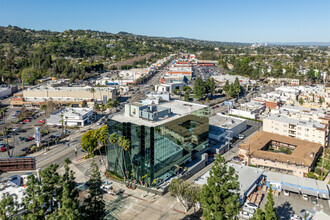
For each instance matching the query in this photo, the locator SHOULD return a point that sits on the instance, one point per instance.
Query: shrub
(311, 175)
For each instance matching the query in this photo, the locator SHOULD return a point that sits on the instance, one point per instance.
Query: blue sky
(230, 20)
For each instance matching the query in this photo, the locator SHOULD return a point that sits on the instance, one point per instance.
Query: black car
(21, 138)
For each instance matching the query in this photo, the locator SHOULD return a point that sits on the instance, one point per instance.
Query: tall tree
(8, 207)
(210, 84)
(226, 87)
(50, 183)
(199, 88)
(94, 206)
(270, 213)
(34, 200)
(69, 204)
(220, 196)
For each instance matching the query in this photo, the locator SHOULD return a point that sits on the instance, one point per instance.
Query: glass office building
(158, 148)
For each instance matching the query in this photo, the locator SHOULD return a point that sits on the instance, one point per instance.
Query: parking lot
(21, 135)
(293, 204)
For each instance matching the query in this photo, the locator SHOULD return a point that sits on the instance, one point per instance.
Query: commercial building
(37, 95)
(250, 109)
(71, 117)
(296, 184)
(163, 137)
(231, 78)
(174, 79)
(269, 103)
(124, 77)
(7, 90)
(280, 153)
(283, 81)
(223, 126)
(308, 130)
(181, 71)
(169, 87)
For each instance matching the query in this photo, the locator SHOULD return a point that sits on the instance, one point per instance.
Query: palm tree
(121, 143)
(44, 108)
(126, 145)
(62, 121)
(93, 91)
(113, 140)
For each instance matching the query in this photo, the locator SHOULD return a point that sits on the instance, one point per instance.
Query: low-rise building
(250, 109)
(283, 81)
(308, 130)
(180, 71)
(7, 90)
(71, 117)
(37, 95)
(280, 153)
(223, 126)
(169, 87)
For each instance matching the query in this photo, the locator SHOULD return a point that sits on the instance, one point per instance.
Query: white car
(251, 205)
(286, 192)
(106, 188)
(305, 197)
(295, 217)
(248, 209)
(241, 136)
(245, 215)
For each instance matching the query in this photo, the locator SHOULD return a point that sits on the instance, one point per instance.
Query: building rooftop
(298, 181)
(178, 109)
(247, 176)
(304, 151)
(225, 121)
(67, 88)
(299, 122)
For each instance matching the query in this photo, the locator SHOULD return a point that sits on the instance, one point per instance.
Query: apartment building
(308, 130)
(250, 109)
(280, 153)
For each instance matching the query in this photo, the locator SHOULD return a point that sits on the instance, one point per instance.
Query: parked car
(314, 200)
(3, 149)
(305, 197)
(286, 192)
(295, 217)
(241, 136)
(245, 215)
(41, 121)
(248, 209)
(27, 120)
(251, 205)
(21, 138)
(25, 149)
(105, 188)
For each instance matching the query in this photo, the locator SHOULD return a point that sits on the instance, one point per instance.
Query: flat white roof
(247, 176)
(178, 109)
(225, 121)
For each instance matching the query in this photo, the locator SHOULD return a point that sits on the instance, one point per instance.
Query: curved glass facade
(157, 152)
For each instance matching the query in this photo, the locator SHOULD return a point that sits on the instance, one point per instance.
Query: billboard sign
(8, 164)
(105, 99)
(229, 103)
(37, 134)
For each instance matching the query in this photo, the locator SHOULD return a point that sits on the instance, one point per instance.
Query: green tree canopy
(220, 196)
(89, 141)
(94, 205)
(199, 88)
